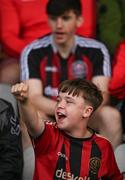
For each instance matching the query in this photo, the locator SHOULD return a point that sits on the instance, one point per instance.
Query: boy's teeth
(59, 113)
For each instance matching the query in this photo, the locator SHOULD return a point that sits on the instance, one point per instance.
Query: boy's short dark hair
(87, 89)
(59, 7)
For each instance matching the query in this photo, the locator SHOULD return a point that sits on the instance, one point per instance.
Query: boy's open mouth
(60, 115)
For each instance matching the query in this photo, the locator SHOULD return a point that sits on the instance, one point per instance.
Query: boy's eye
(68, 102)
(58, 100)
(53, 18)
(66, 18)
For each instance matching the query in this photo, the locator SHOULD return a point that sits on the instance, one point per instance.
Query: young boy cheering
(68, 149)
(63, 55)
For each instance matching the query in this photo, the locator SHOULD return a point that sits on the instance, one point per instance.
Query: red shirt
(23, 21)
(60, 156)
(117, 83)
(88, 29)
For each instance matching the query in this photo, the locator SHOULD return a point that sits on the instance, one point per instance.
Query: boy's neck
(85, 133)
(65, 49)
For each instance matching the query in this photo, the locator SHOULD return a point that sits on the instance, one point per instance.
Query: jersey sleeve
(114, 172)
(109, 166)
(29, 63)
(117, 83)
(46, 142)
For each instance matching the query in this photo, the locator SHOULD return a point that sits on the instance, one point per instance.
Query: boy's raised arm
(30, 116)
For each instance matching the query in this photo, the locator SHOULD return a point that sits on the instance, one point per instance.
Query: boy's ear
(87, 111)
(80, 21)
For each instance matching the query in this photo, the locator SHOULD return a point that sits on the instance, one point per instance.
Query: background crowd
(23, 21)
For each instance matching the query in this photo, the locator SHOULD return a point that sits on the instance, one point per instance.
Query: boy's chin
(61, 127)
(60, 41)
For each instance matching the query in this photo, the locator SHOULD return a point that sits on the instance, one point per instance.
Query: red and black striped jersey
(60, 156)
(87, 59)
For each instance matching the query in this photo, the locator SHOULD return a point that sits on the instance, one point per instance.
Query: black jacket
(11, 157)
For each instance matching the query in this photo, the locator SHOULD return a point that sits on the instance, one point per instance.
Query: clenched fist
(20, 91)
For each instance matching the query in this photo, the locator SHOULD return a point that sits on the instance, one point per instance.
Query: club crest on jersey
(79, 69)
(94, 165)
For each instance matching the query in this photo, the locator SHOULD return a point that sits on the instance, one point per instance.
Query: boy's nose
(59, 23)
(61, 104)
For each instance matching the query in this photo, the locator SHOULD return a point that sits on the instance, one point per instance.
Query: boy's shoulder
(102, 141)
(89, 42)
(42, 42)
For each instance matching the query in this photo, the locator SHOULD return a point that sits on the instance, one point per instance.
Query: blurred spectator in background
(11, 156)
(9, 68)
(15, 146)
(117, 83)
(62, 55)
(22, 22)
(110, 22)
(111, 31)
(120, 158)
(89, 11)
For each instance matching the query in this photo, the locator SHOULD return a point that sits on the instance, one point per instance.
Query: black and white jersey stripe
(79, 41)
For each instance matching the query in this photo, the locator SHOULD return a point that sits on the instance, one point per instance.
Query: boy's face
(70, 112)
(64, 26)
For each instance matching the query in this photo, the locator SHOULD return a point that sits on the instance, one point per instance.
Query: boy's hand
(20, 91)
